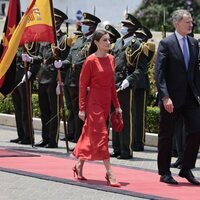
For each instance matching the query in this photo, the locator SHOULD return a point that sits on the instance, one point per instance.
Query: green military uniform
(141, 92)
(19, 96)
(124, 70)
(49, 101)
(74, 61)
(131, 64)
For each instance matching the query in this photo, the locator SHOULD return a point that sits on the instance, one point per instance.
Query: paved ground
(20, 187)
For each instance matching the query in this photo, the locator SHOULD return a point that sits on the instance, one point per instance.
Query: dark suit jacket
(172, 78)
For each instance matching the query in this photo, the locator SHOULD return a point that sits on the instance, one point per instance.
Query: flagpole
(59, 81)
(29, 107)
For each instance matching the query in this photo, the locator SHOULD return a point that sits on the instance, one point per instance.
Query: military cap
(111, 30)
(60, 15)
(144, 31)
(130, 19)
(87, 17)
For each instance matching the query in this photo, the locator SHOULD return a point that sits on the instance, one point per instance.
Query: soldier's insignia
(84, 15)
(106, 27)
(133, 40)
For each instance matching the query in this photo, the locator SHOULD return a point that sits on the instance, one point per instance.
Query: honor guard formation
(92, 72)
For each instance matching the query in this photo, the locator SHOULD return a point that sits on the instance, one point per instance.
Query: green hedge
(152, 119)
(152, 113)
(6, 105)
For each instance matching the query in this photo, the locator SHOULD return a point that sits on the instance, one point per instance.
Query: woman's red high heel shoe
(82, 178)
(110, 183)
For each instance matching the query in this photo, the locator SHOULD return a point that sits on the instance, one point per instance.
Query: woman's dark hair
(97, 35)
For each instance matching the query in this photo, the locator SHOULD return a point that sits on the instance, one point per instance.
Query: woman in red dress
(94, 106)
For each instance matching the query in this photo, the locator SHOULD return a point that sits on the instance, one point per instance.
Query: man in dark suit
(178, 83)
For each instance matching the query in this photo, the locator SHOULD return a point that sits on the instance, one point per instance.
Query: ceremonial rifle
(60, 82)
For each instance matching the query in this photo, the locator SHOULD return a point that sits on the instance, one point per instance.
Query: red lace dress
(97, 74)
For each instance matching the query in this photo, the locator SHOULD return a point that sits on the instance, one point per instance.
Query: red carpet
(134, 182)
(14, 153)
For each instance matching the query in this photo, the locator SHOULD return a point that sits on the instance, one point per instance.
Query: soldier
(74, 61)
(21, 96)
(70, 121)
(49, 101)
(131, 66)
(141, 92)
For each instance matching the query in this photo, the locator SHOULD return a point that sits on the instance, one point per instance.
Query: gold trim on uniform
(131, 117)
(144, 106)
(58, 118)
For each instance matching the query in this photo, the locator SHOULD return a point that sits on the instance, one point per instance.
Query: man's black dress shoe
(52, 146)
(25, 142)
(15, 140)
(124, 157)
(174, 154)
(41, 144)
(62, 139)
(70, 139)
(177, 164)
(114, 155)
(168, 179)
(138, 148)
(189, 176)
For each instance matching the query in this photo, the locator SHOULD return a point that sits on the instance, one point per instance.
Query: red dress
(97, 74)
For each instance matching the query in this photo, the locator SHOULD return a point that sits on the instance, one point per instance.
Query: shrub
(35, 103)
(6, 105)
(152, 119)
(152, 113)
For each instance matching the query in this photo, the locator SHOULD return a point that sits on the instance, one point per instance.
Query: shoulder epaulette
(149, 48)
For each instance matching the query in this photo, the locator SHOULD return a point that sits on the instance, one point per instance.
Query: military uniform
(74, 61)
(49, 101)
(19, 96)
(141, 92)
(131, 64)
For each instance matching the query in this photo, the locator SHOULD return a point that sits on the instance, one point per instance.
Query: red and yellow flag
(9, 53)
(7, 82)
(39, 27)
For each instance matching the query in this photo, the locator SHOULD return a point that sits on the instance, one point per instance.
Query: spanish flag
(7, 82)
(12, 46)
(40, 24)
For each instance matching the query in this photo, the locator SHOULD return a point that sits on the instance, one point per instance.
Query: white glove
(118, 110)
(81, 115)
(27, 58)
(28, 75)
(124, 84)
(57, 64)
(58, 92)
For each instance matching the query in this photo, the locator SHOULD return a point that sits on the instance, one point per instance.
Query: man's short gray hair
(178, 15)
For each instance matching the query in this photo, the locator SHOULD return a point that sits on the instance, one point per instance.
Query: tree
(151, 12)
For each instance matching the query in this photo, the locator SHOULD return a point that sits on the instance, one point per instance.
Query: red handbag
(116, 121)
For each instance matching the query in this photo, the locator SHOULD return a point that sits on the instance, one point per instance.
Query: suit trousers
(191, 115)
